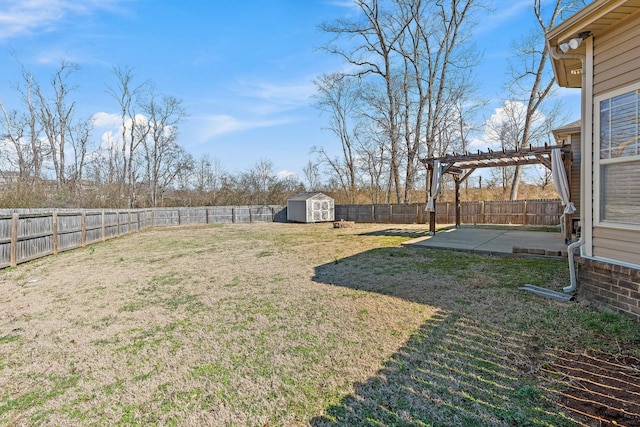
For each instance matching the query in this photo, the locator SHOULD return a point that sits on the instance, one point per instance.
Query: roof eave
(572, 27)
(580, 21)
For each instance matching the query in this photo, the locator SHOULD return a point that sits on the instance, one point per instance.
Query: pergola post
(456, 178)
(432, 214)
(432, 220)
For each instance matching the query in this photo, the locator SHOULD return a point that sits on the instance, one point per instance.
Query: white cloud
(272, 97)
(343, 3)
(503, 13)
(107, 140)
(510, 119)
(480, 144)
(221, 124)
(283, 174)
(20, 17)
(114, 121)
(106, 120)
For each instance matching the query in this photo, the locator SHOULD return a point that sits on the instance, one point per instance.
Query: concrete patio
(496, 240)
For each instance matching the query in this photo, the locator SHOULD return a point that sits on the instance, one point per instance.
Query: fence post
(54, 232)
(104, 227)
(83, 227)
(524, 212)
(234, 219)
(15, 218)
(482, 219)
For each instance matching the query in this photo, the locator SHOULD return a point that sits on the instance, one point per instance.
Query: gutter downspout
(573, 246)
(572, 269)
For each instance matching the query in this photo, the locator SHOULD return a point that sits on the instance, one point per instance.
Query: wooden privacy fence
(27, 234)
(545, 212)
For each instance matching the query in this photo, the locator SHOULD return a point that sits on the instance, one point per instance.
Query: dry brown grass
(276, 324)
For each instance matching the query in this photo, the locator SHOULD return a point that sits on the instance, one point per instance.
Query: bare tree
(372, 54)
(413, 62)
(56, 117)
(338, 96)
(13, 151)
(505, 128)
(208, 176)
(373, 160)
(126, 93)
(163, 157)
(33, 126)
(531, 81)
(312, 175)
(79, 142)
(257, 182)
(437, 62)
(22, 132)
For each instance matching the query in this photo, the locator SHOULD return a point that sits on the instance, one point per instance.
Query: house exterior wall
(616, 57)
(609, 264)
(610, 286)
(616, 65)
(574, 174)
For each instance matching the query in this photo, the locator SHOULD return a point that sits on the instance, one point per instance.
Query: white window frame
(598, 162)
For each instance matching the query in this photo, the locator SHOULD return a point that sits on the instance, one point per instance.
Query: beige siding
(616, 64)
(616, 61)
(575, 173)
(616, 244)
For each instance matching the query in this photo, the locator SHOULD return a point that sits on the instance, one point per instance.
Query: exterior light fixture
(574, 42)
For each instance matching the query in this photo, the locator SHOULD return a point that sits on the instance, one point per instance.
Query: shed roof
(309, 195)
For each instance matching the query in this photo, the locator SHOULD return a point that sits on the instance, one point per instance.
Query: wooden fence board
(5, 255)
(33, 238)
(523, 212)
(26, 234)
(221, 214)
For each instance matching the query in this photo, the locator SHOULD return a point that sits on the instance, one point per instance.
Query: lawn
(289, 324)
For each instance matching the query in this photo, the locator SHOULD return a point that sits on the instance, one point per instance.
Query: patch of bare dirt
(598, 389)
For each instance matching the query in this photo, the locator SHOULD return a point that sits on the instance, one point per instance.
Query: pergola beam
(461, 165)
(489, 159)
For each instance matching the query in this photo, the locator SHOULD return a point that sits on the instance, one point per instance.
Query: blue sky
(243, 69)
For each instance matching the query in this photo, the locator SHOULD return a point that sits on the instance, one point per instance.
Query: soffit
(597, 18)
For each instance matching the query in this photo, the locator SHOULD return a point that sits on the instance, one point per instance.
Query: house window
(618, 170)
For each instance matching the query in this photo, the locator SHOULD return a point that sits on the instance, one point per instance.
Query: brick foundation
(609, 286)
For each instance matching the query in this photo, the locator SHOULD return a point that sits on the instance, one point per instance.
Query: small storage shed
(310, 207)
